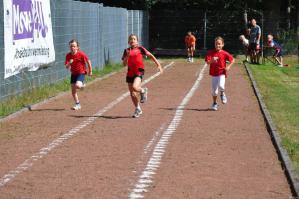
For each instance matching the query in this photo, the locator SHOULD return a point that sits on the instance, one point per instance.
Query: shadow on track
(187, 109)
(102, 116)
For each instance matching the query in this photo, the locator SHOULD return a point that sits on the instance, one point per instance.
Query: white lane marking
(145, 180)
(148, 147)
(57, 142)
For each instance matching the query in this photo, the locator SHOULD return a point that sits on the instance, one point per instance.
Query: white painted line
(146, 178)
(153, 140)
(57, 142)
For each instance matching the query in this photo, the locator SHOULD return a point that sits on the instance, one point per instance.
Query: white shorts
(218, 83)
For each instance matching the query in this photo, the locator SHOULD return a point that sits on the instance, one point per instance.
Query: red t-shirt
(135, 60)
(78, 66)
(218, 68)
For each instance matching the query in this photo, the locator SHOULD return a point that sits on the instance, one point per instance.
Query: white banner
(28, 37)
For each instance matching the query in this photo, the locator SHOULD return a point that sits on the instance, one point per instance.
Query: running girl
(218, 70)
(133, 58)
(76, 61)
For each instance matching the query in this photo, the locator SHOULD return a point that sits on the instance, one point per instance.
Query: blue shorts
(75, 78)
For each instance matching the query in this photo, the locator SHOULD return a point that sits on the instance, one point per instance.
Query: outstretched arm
(152, 57)
(125, 61)
(89, 68)
(125, 57)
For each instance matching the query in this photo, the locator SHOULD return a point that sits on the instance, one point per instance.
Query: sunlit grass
(280, 91)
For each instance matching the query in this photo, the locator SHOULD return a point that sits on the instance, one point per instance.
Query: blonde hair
(219, 38)
(242, 37)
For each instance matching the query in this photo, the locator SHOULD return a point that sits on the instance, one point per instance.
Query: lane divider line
(145, 180)
(57, 142)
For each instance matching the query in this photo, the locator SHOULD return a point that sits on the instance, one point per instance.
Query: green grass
(280, 90)
(36, 95)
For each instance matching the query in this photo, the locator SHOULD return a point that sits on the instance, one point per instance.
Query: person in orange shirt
(190, 41)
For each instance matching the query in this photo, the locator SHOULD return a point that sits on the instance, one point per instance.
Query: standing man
(254, 42)
(190, 41)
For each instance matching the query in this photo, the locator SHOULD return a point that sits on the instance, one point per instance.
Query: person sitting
(278, 50)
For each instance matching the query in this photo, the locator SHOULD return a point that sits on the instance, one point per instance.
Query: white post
(205, 32)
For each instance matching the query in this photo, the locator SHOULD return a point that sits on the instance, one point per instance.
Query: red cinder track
(210, 154)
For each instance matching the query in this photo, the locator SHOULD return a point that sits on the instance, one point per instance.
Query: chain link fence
(102, 33)
(168, 28)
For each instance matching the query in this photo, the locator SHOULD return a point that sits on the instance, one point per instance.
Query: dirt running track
(170, 152)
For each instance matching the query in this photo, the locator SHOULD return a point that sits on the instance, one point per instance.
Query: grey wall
(102, 33)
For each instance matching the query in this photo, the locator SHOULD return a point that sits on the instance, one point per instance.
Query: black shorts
(252, 47)
(131, 79)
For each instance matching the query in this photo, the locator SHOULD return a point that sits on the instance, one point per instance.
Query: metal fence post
(205, 32)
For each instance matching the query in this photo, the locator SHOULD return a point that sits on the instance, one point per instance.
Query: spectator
(254, 42)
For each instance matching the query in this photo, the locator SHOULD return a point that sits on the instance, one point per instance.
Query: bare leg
(258, 57)
(188, 53)
(279, 60)
(74, 93)
(135, 89)
(134, 95)
(137, 84)
(214, 99)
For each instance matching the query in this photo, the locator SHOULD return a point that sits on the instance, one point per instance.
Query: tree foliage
(148, 4)
(276, 8)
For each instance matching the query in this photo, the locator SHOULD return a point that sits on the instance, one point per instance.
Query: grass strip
(279, 88)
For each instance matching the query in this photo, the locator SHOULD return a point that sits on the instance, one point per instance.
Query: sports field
(177, 149)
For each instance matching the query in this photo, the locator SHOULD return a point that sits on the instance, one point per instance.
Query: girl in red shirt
(76, 61)
(133, 58)
(217, 59)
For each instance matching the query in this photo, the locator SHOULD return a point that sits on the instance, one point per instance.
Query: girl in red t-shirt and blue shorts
(217, 59)
(133, 58)
(76, 61)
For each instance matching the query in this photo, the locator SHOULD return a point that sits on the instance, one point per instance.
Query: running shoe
(76, 107)
(143, 95)
(214, 107)
(137, 112)
(223, 98)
